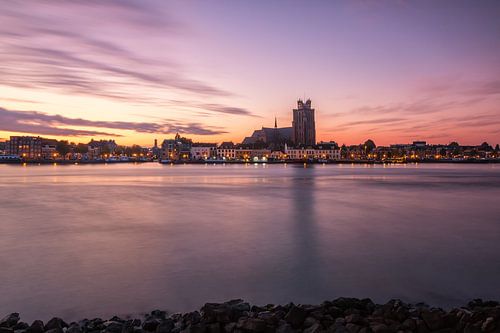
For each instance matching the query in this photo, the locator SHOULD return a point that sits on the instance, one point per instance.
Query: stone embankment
(341, 315)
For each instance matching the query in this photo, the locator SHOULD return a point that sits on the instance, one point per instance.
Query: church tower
(304, 127)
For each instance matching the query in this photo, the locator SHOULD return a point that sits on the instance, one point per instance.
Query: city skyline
(390, 71)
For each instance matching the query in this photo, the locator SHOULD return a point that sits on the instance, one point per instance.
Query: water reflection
(98, 240)
(305, 257)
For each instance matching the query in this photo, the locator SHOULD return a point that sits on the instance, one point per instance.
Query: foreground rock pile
(341, 315)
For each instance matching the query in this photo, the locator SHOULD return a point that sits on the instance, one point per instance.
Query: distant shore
(76, 162)
(236, 316)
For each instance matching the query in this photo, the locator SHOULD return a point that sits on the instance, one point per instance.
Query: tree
(63, 148)
(497, 148)
(485, 146)
(105, 149)
(343, 151)
(454, 144)
(81, 148)
(369, 145)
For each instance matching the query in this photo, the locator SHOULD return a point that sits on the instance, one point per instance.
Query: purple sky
(393, 71)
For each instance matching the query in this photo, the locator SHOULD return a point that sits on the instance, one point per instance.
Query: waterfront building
(49, 149)
(156, 151)
(326, 153)
(101, 148)
(203, 151)
(226, 151)
(26, 147)
(243, 154)
(304, 128)
(176, 149)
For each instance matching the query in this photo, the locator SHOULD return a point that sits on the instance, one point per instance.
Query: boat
(10, 159)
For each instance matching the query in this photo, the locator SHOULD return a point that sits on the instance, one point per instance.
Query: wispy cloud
(68, 53)
(46, 124)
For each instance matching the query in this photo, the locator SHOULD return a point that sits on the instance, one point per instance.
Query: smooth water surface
(97, 240)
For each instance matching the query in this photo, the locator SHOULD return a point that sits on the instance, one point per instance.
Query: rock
(353, 328)
(214, 328)
(238, 305)
(354, 318)
(150, 325)
(488, 325)
(269, 317)
(21, 326)
(196, 328)
(335, 328)
(74, 328)
(434, 319)
(229, 328)
(159, 314)
(410, 324)
(309, 321)
(112, 327)
(344, 303)
(10, 320)
(55, 323)
(284, 327)
(314, 328)
(191, 318)
(296, 316)
(214, 312)
(379, 328)
(55, 330)
(6, 330)
(252, 325)
(36, 327)
(421, 326)
(481, 304)
(165, 326)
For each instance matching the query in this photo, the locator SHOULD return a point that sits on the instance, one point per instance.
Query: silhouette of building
(304, 128)
(270, 137)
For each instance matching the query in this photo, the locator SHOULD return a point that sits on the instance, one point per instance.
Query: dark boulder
(74, 328)
(21, 326)
(158, 314)
(113, 327)
(252, 324)
(36, 327)
(191, 318)
(55, 323)
(117, 319)
(55, 330)
(165, 326)
(314, 328)
(150, 325)
(6, 330)
(296, 316)
(434, 319)
(284, 327)
(10, 320)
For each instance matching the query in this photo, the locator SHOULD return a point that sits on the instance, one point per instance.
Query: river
(97, 240)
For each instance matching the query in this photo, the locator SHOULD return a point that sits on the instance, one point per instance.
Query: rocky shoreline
(348, 315)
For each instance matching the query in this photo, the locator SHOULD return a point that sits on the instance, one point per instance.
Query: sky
(392, 71)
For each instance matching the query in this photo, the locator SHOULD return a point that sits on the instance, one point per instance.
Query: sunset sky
(133, 71)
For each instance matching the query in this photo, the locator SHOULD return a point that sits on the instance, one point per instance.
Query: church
(270, 137)
(302, 133)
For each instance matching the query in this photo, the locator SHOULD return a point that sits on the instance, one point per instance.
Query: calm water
(100, 240)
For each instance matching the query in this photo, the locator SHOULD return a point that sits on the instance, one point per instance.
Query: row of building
(182, 149)
(297, 142)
